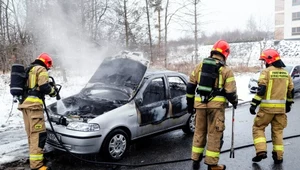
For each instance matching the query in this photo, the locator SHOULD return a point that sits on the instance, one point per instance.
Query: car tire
(115, 145)
(189, 127)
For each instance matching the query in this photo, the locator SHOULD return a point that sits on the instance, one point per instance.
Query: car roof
(151, 72)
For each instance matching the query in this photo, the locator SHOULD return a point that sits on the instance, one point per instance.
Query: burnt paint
(178, 107)
(83, 106)
(154, 113)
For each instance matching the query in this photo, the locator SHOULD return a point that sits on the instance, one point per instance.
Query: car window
(177, 86)
(155, 91)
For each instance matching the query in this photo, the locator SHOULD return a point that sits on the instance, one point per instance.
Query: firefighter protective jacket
(225, 82)
(279, 90)
(38, 80)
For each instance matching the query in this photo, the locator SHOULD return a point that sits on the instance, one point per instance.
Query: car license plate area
(52, 137)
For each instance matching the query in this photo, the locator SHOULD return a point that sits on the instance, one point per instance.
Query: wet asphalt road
(176, 145)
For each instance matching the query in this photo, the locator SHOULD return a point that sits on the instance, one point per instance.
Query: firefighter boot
(275, 158)
(196, 164)
(259, 156)
(216, 167)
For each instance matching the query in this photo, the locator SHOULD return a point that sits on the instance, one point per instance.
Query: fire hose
(115, 165)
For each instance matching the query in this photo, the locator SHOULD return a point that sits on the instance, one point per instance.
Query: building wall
(285, 27)
(279, 20)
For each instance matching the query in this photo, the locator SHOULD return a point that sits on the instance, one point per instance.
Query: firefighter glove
(190, 105)
(252, 109)
(234, 104)
(288, 107)
(191, 110)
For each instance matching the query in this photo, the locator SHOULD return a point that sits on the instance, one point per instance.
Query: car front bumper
(75, 144)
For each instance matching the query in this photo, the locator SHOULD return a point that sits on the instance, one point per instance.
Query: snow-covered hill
(245, 54)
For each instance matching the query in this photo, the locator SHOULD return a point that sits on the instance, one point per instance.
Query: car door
(296, 78)
(152, 106)
(177, 91)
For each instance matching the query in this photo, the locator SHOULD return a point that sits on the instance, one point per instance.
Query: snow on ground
(11, 120)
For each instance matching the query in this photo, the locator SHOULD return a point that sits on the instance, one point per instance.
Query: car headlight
(84, 127)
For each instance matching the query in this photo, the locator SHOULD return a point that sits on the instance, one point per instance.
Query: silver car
(122, 102)
(294, 71)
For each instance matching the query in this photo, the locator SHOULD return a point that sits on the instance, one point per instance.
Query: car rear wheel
(115, 145)
(189, 127)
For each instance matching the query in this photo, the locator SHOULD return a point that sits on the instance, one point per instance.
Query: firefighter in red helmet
(274, 97)
(213, 83)
(32, 108)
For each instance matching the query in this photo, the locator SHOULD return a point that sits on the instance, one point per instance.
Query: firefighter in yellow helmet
(32, 109)
(274, 97)
(210, 84)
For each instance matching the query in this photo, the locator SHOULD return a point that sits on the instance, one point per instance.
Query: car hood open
(124, 70)
(111, 86)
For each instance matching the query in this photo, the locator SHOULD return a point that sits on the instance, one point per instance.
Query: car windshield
(105, 93)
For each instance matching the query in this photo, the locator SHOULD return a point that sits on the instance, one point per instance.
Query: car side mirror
(139, 101)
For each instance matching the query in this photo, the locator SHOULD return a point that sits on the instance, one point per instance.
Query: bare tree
(149, 30)
(168, 18)
(126, 23)
(157, 5)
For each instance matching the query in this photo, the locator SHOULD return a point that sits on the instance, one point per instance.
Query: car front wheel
(115, 145)
(189, 127)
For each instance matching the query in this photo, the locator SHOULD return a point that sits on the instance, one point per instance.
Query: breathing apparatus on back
(19, 79)
(210, 71)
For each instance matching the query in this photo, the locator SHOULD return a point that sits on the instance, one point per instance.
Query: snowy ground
(11, 118)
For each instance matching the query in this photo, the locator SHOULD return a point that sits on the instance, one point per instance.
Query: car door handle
(131, 115)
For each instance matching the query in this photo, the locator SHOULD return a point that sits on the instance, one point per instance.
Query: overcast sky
(233, 14)
(224, 15)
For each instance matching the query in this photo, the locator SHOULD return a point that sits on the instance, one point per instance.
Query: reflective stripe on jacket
(37, 77)
(279, 86)
(225, 81)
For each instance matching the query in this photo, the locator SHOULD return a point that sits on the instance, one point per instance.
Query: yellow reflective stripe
(278, 74)
(215, 99)
(286, 88)
(273, 105)
(256, 97)
(190, 95)
(52, 91)
(32, 78)
(198, 99)
(262, 76)
(44, 74)
(220, 78)
(38, 157)
(212, 154)
(217, 49)
(230, 79)
(219, 99)
(260, 140)
(278, 147)
(289, 99)
(193, 73)
(197, 149)
(199, 73)
(34, 99)
(270, 86)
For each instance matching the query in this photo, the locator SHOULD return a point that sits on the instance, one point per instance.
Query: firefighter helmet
(269, 56)
(46, 59)
(222, 47)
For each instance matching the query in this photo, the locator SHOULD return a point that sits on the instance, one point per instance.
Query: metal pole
(232, 136)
